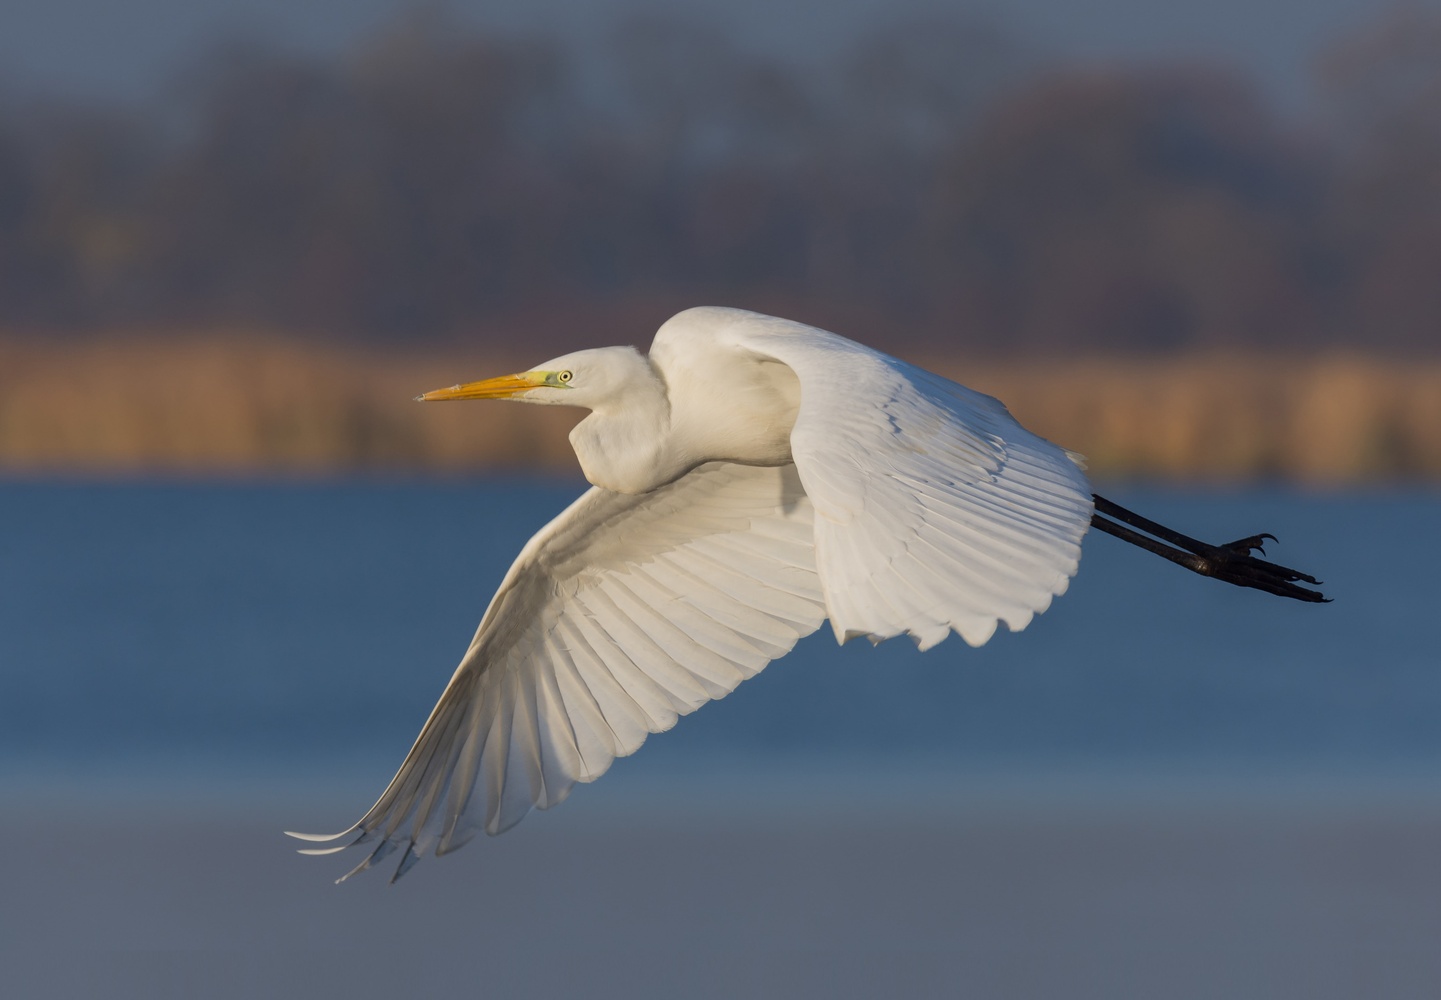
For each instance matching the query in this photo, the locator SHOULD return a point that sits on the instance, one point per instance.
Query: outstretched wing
(622, 614)
(935, 510)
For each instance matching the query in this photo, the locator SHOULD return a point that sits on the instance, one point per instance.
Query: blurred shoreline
(242, 405)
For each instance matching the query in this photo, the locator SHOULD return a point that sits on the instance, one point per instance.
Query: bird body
(752, 478)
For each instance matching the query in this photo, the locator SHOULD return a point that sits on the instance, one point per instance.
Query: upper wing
(618, 616)
(935, 510)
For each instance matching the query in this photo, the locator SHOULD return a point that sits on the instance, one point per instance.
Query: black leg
(1231, 562)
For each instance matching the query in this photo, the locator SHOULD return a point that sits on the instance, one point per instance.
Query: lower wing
(622, 614)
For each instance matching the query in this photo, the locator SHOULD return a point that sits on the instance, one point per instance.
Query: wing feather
(453, 833)
(608, 632)
(628, 722)
(620, 615)
(595, 741)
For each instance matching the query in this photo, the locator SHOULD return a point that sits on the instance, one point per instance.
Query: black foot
(1255, 543)
(1231, 562)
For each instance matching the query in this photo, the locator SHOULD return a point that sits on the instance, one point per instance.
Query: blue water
(279, 631)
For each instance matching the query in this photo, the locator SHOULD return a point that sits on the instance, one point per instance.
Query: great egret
(753, 477)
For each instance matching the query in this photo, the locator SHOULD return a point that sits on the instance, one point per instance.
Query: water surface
(1162, 787)
(255, 628)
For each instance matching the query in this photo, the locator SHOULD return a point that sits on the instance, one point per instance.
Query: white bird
(752, 478)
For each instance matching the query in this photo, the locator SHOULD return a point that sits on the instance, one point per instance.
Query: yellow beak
(492, 388)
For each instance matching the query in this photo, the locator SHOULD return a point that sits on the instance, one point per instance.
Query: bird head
(585, 378)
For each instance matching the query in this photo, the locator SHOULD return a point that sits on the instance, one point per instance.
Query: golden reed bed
(241, 406)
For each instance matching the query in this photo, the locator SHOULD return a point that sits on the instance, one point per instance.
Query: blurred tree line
(937, 182)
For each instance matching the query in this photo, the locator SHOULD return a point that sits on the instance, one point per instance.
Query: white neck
(624, 444)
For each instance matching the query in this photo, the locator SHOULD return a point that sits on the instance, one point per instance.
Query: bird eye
(564, 377)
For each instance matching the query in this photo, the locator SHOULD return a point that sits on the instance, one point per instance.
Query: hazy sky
(124, 48)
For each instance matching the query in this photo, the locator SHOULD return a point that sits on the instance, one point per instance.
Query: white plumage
(753, 477)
